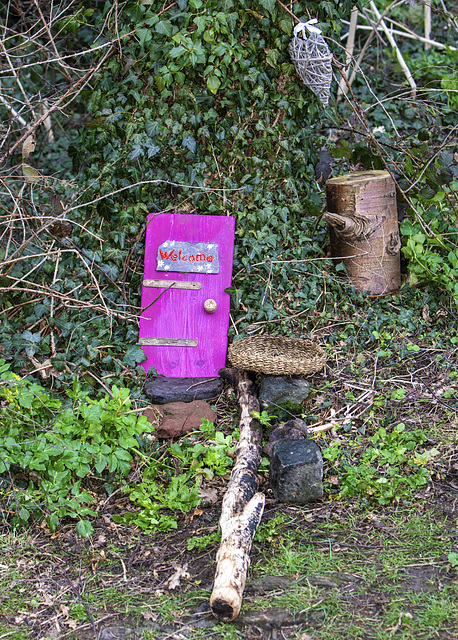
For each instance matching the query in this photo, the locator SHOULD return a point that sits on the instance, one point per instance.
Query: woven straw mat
(276, 355)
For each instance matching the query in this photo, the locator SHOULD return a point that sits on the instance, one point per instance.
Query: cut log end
(223, 611)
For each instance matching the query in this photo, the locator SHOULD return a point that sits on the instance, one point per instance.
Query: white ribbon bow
(302, 26)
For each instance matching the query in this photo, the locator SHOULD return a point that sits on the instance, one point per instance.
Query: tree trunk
(242, 504)
(363, 223)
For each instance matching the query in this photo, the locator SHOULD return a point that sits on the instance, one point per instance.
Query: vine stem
(291, 13)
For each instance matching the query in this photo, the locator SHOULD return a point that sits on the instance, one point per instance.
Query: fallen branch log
(242, 506)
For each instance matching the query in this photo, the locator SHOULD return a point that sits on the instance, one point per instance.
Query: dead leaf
(180, 572)
(195, 514)
(45, 369)
(31, 175)
(333, 480)
(425, 313)
(56, 204)
(209, 495)
(61, 229)
(47, 601)
(73, 624)
(47, 122)
(148, 615)
(29, 146)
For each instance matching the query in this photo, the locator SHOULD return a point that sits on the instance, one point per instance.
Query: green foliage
(46, 450)
(206, 97)
(391, 469)
(431, 248)
(263, 418)
(180, 495)
(161, 490)
(271, 530)
(416, 141)
(203, 459)
(453, 559)
(202, 95)
(106, 428)
(202, 542)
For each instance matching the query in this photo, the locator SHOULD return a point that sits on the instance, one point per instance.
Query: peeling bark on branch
(242, 504)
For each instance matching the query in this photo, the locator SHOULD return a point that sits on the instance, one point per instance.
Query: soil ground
(337, 568)
(327, 570)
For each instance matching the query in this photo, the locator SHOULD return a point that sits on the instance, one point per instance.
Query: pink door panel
(185, 311)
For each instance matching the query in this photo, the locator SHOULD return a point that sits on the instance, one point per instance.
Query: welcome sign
(187, 257)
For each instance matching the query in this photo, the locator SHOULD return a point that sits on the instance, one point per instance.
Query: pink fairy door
(185, 310)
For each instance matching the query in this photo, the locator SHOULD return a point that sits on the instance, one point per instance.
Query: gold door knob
(210, 305)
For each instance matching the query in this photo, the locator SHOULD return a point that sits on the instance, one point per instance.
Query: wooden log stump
(364, 232)
(242, 506)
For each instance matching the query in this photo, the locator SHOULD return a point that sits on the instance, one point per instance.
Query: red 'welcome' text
(173, 255)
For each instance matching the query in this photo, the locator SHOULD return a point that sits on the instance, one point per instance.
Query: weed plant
(53, 458)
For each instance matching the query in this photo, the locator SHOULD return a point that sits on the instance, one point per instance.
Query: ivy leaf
(213, 83)
(285, 25)
(180, 77)
(190, 143)
(84, 528)
(272, 57)
(176, 52)
(153, 150)
(111, 270)
(134, 12)
(160, 82)
(136, 151)
(144, 36)
(151, 128)
(269, 5)
(31, 337)
(165, 27)
(134, 354)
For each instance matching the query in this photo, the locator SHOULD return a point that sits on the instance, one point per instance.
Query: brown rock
(175, 419)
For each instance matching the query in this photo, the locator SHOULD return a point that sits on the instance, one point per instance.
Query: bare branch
(66, 99)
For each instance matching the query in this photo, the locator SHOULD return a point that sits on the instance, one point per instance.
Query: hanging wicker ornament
(312, 59)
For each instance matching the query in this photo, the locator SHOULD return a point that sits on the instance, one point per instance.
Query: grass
(323, 572)
(380, 580)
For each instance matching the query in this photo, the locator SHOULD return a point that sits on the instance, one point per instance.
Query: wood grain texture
(171, 284)
(177, 314)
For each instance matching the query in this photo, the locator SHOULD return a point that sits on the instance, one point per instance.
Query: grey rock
(162, 389)
(296, 471)
(116, 632)
(134, 632)
(292, 430)
(283, 395)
